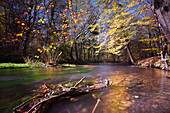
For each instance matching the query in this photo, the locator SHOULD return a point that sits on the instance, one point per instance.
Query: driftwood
(79, 82)
(98, 100)
(45, 100)
(50, 94)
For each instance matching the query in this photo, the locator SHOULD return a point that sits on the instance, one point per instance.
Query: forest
(84, 56)
(81, 31)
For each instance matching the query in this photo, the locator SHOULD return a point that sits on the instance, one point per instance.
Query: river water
(134, 89)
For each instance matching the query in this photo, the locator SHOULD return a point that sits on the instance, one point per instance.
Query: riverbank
(33, 65)
(13, 65)
(152, 62)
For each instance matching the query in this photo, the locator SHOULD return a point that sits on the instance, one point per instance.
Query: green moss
(86, 81)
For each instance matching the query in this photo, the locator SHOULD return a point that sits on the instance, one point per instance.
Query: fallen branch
(81, 80)
(14, 109)
(98, 100)
(48, 94)
(46, 101)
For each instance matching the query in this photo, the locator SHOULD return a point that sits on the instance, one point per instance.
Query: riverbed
(133, 90)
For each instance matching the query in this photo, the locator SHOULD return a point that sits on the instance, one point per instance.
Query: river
(134, 89)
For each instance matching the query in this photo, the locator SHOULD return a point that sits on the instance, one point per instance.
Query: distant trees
(124, 21)
(43, 30)
(81, 31)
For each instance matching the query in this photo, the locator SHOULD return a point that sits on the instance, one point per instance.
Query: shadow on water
(134, 89)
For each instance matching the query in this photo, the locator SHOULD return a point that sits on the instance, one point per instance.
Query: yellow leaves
(41, 7)
(51, 5)
(161, 36)
(144, 23)
(29, 8)
(36, 56)
(76, 20)
(64, 16)
(146, 18)
(18, 22)
(54, 32)
(60, 14)
(65, 33)
(150, 49)
(39, 50)
(133, 24)
(58, 34)
(23, 24)
(82, 10)
(20, 34)
(54, 47)
(148, 40)
(71, 14)
(47, 12)
(51, 46)
(124, 13)
(25, 13)
(133, 3)
(42, 20)
(72, 42)
(37, 7)
(96, 47)
(65, 9)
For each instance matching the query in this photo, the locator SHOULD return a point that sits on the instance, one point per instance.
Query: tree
(120, 22)
(162, 11)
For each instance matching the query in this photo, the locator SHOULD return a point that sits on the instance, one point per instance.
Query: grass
(19, 65)
(13, 65)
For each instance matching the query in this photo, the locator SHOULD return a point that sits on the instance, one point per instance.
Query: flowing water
(134, 89)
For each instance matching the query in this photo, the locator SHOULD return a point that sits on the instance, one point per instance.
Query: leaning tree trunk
(162, 11)
(130, 55)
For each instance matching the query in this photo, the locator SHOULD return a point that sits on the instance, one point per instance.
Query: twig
(121, 81)
(98, 100)
(14, 109)
(81, 80)
(45, 101)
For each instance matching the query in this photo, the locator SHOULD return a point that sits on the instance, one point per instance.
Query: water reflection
(135, 90)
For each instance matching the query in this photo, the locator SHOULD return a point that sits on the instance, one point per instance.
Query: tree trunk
(71, 54)
(130, 56)
(76, 53)
(84, 54)
(80, 52)
(162, 11)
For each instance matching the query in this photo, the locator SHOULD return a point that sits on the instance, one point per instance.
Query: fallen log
(48, 94)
